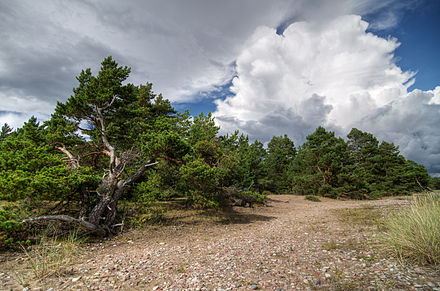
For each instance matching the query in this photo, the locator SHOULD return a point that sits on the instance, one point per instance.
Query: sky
(263, 67)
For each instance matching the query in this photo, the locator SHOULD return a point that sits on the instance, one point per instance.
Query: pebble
(278, 257)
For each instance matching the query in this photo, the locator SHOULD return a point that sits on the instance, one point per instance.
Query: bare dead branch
(104, 138)
(110, 104)
(139, 172)
(73, 162)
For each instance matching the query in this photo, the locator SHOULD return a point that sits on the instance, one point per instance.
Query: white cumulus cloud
(334, 74)
(185, 48)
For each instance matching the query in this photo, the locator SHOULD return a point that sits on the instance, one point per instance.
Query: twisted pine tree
(118, 129)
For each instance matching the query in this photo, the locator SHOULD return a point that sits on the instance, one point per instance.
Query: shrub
(256, 196)
(12, 231)
(327, 190)
(266, 193)
(414, 233)
(200, 184)
(312, 198)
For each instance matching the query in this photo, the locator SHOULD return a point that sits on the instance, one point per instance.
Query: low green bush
(414, 233)
(12, 231)
(312, 198)
(259, 198)
(266, 193)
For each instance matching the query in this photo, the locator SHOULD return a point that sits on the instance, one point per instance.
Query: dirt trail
(290, 244)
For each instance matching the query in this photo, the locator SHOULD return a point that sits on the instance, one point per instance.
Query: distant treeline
(112, 141)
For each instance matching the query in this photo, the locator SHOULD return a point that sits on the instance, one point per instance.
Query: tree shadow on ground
(270, 201)
(232, 216)
(178, 214)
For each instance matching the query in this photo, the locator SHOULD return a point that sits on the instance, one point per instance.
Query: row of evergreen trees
(111, 141)
(204, 163)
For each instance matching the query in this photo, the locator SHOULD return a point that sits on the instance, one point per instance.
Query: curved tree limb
(73, 162)
(66, 218)
(139, 172)
(104, 138)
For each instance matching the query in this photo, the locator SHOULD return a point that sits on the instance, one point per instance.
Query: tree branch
(83, 129)
(103, 152)
(73, 162)
(107, 144)
(111, 103)
(171, 160)
(68, 219)
(139, 172)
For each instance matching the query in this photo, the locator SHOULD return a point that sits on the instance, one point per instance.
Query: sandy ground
(291, 244)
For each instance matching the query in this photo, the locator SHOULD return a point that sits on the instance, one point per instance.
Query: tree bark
(111, 190)
(84, 202)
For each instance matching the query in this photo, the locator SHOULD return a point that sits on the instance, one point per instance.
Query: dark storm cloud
(412, 123)
(189, 49)
(38, 58)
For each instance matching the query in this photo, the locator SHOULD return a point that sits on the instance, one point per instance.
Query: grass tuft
(414, 233)
(52, 256)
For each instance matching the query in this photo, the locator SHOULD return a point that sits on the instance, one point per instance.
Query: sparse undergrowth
(414, 233)
(365, 215)
(52, 256)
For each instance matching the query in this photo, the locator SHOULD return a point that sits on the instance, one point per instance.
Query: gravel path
(293, 244)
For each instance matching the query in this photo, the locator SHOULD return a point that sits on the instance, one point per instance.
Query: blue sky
(418, 31)
(263, 67)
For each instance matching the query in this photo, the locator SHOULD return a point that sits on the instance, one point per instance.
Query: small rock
(327, 275)
(75, 279)
(155, 288)
(26, 289)
(316, 281)
(254, 287)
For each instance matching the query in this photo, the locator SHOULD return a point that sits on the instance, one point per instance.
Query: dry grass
(50, 257)
(366, 215)
(414, 233)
